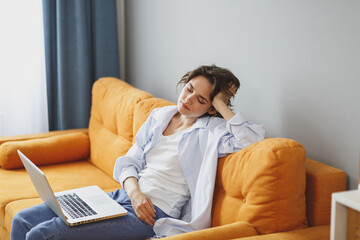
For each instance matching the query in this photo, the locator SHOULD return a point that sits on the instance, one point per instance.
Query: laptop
(76, 206)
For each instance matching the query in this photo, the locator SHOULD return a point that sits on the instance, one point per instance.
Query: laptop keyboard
(73, 205)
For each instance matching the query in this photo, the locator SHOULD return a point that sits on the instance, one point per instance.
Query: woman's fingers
(233, 89)
(142, 205)
(145, 211)
(144, 216)
(151, 205)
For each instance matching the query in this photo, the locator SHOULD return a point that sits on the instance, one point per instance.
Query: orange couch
(269, 189)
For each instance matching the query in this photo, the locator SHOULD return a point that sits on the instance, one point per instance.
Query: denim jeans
(40, 223)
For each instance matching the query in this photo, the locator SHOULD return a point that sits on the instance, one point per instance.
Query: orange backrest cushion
(111, 121)
(143, 109)
(264, 185)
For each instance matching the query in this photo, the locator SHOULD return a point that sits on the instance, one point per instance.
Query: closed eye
(201, 99)
(204, 100)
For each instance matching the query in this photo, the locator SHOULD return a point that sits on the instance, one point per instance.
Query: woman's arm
(126, 173)
(133, 162)
(220, 106)
(241, 133)
(220, 102)
(141, 204)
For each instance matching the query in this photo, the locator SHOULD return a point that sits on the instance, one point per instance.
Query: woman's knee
(19, 226)
(16, 219)
(20, 219)
(27, 219)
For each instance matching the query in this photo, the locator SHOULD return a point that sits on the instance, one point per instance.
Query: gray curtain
(81, 45)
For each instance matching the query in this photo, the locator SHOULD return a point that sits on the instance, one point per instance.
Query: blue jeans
(40, 223)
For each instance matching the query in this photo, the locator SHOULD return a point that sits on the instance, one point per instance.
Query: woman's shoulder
(216, 120)
(221, 123)
(216, 123)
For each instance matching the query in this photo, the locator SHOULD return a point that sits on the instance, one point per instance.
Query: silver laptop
(76, 206)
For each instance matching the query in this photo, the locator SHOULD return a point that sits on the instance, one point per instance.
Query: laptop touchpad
(98, 200)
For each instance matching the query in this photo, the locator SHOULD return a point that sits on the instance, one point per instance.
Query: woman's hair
(221, 78)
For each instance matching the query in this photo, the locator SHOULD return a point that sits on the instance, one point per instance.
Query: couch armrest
(321, 181)
(45, 148)
(228, 231)
(4, 139)
(311, 233)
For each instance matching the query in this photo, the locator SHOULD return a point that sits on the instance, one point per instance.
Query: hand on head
(226, 95)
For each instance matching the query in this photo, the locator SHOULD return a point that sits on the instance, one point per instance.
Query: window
(23, 108)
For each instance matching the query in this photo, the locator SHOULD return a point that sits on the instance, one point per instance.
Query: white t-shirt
(162, 179)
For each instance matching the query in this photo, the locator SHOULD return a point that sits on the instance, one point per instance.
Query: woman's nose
(188, 99)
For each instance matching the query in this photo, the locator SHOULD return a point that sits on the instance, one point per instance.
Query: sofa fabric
(143, 109)
(314, 233)
(111, 121)
(269, 189)
(43, 151)
(321, 181)
(265, 183)
(228, 231)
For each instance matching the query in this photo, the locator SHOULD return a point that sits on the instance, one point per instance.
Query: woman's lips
(184, 106)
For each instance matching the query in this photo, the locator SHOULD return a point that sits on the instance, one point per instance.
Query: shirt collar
(168, 112)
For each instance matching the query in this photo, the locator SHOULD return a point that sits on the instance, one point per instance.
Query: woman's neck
(183, 121)
(178, 123)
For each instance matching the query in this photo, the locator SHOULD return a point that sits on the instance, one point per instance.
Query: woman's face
(194, 100)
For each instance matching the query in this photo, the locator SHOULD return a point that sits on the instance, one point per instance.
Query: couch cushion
(143, 109)
(313, 233)
(16, 184)
(48, 150)
(4, 139)
(111, 121)
(263, 184)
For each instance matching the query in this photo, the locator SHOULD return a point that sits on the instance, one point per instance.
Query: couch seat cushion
(313, 233)
(16, 184)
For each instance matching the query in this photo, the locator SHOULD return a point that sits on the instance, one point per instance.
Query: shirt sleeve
(133, 162)
(239, 134)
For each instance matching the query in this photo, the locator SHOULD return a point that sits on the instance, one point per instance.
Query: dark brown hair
(221, 78)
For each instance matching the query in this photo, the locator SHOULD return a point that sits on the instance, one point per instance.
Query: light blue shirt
(199, 149)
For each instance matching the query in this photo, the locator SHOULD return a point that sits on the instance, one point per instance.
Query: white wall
(298, 62)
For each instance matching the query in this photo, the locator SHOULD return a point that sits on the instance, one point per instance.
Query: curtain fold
(81, 45)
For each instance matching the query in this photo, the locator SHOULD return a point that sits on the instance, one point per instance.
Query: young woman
(168, 175)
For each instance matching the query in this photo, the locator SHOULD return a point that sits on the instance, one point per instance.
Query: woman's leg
(125, 227)
(28, 218)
